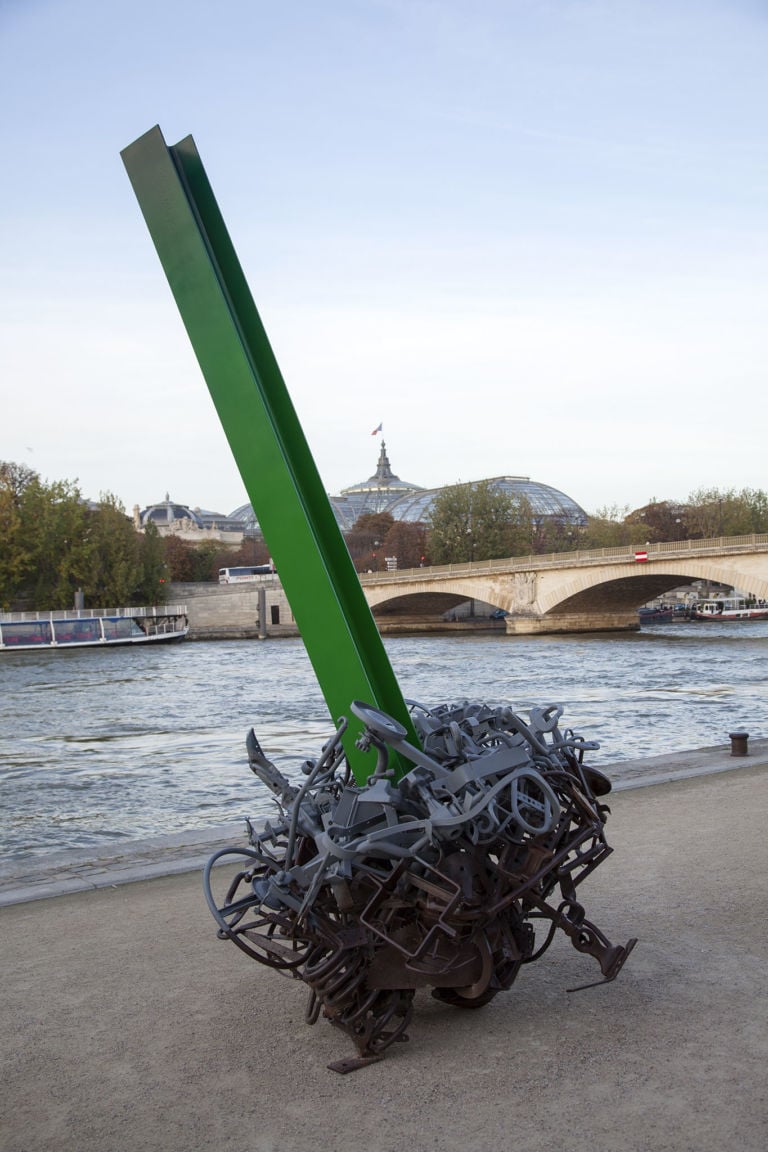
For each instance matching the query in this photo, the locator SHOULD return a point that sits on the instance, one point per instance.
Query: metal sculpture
(434, 868)
(263, 430)
(439, 879)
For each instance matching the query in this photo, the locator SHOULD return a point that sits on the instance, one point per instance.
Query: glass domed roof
(544, 501)
(385, 492)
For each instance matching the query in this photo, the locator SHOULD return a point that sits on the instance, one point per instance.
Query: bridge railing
(720, 545)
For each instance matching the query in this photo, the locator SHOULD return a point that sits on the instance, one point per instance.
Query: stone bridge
(595, 591)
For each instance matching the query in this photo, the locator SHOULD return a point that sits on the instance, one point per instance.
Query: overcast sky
(529, 236)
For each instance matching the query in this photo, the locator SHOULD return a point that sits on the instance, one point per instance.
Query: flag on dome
(377, 430)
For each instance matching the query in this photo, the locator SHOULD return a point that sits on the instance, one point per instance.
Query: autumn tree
(365, 540)
(252, 550)
(656, 521)
(407, 543)
(179, 558)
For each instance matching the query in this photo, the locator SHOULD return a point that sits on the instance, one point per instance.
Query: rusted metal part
(440, 879)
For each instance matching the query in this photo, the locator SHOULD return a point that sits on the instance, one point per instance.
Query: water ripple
(100, 745)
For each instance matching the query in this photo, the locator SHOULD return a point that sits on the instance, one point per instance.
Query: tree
(608, 527)
(115, 572)
(712, 512)
(658, 520)
(44, 530)
(252, 550)
(207, 558)
(15, 478)
(365, 540)
(153, 584)
(14, 556)
(407, 543)
(179, 559)
(54, 520)
(477, 522)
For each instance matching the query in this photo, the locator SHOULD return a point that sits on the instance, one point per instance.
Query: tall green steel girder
(264, 433)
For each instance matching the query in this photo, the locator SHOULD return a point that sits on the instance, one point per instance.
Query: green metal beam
(264, 433)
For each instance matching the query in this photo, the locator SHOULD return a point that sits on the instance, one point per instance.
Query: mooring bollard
(739, 743)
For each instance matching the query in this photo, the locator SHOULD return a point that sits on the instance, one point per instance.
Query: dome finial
(383, 470)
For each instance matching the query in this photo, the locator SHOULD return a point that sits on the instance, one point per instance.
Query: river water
(100, 746)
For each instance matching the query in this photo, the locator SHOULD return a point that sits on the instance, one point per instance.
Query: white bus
(247, 573)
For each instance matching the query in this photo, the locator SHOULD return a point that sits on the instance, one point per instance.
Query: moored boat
(729, 608)
(92, 628)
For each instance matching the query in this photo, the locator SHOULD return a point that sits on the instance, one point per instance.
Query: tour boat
(729, 608)
(92, 628)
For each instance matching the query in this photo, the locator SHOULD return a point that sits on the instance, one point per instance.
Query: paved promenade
(126, 1025)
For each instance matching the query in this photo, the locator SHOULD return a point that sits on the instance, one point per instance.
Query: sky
(528, 237)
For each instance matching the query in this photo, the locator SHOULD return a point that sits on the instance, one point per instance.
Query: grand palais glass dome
(385, 492)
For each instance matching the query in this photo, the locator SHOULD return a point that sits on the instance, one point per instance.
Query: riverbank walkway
(126, 1025)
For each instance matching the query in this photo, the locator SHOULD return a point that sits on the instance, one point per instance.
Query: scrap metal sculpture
(433, 866)
(439, 879)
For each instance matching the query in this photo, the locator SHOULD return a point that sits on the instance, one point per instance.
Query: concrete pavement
(126, 1025)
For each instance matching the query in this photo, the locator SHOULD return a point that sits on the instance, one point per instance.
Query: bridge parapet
(719, 545)
(595, 590)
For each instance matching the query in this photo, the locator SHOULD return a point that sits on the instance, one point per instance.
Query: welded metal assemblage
(450, 877)
(426, 846)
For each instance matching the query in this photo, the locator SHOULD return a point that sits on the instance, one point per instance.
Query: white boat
(92, 628)
(728, 608)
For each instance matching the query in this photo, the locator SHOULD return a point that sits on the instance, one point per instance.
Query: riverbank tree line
(54, 543)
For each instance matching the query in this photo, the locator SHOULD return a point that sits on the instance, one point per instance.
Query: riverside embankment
(126, 1024)
(99, 749)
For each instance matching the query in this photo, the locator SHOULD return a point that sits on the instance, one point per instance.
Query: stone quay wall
(232, 611)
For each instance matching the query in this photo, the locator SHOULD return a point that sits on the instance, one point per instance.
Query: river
(101, 746)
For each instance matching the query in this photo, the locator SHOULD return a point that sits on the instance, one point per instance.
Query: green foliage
(54, 543)
(54, 524)
(478, 522)
(607, 528)
(711, 512)
(15, 562)
(708, 513)
(153, 585)
(115, 570)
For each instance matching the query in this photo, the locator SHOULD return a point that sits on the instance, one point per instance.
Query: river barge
(728, 608)
(92, 628)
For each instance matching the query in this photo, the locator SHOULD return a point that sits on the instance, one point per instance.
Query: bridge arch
(589, 590)
(582, 591)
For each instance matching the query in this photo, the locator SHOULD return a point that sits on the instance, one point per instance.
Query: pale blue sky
(530, 236)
